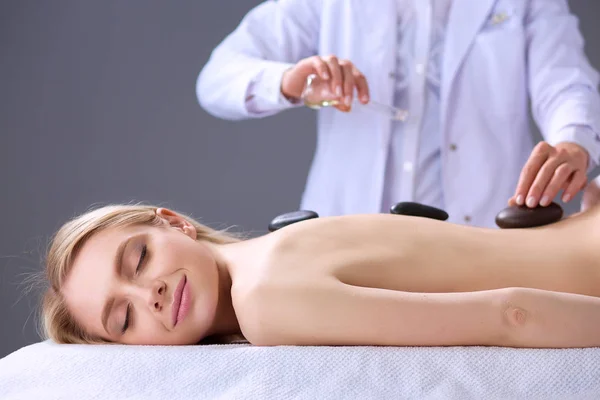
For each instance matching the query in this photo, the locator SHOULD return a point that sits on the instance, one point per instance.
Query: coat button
(498, 18)
(453, 147)
(467, 218)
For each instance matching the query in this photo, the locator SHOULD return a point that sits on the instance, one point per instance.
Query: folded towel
(50, 371)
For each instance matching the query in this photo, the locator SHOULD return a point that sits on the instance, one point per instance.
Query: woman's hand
(342, 75)
(548, 170)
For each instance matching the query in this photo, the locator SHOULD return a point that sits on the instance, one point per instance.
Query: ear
(176, 221)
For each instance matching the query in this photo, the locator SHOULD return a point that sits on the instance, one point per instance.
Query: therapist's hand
(550, 169)
(343, 76)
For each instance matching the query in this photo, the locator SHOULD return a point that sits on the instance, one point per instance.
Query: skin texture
(356, 280)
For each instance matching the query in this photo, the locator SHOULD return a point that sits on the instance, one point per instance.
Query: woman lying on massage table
(146, 275)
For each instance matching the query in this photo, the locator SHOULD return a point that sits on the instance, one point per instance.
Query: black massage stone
(286, 219)
(419, 210)
(525, 217)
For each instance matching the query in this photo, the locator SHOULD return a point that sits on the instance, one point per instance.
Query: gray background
(98, 106)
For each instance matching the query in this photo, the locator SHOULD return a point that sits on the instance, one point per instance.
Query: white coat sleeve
(242, 78)
(562, 83)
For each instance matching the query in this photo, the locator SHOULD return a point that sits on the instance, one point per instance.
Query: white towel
(49, 371)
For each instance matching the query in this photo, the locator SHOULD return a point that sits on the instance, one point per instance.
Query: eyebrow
(118, 266)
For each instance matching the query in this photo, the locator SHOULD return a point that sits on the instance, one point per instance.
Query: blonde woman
(147, 275)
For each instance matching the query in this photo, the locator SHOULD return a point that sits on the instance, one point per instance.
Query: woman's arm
(339, 314)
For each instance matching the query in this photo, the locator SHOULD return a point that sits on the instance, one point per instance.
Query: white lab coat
(497, 54)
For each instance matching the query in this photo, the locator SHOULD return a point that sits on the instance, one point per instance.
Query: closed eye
(140, 264)
(127, 318)
(142, 258)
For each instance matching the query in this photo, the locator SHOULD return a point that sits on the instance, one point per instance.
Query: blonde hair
(57, 322)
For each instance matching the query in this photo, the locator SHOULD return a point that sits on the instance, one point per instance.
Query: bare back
(421, 255)
(395, 280)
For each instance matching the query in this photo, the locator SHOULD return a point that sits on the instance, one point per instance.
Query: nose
(156, 299)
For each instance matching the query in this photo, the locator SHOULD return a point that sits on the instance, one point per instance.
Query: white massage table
(49, 371)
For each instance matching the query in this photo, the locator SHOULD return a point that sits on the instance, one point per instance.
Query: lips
(180, 301)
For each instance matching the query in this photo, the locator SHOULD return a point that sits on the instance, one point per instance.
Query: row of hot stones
(510, 218)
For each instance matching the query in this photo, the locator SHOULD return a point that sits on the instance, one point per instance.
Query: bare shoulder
(286, 274)
(274, 312)
(322, 246)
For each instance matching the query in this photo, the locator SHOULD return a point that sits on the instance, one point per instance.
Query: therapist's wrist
(584, 136)
(576, 151)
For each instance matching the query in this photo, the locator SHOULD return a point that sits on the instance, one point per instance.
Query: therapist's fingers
(536, 160)
(293, 80)
(348, 83)
(362, 87)
(336, 75)
(578, 182)
(320, 67)
(555, 161)
(559, 180)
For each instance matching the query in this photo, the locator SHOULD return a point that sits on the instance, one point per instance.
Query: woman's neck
(225, 322)
(230, 259)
